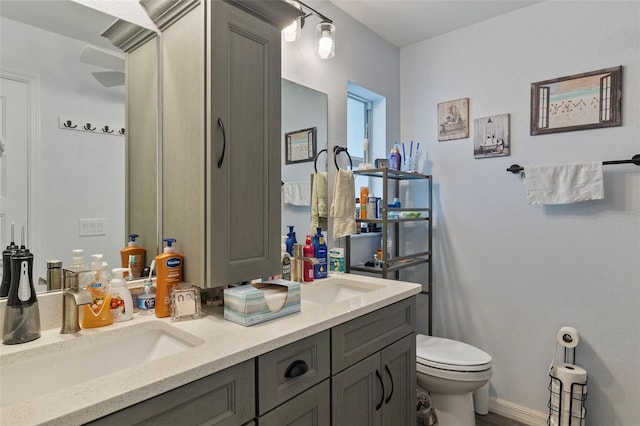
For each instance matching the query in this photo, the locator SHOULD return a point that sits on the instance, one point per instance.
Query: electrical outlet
(92, 227)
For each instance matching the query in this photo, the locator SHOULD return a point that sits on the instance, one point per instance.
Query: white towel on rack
(296, 193)
(343, 205)
(319, 201)
(564, 183)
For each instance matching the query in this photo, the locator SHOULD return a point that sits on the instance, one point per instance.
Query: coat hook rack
(113, 128)
(516, 168)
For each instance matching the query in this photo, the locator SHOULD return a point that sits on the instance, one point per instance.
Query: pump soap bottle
(168, 275)
(138, 262)
(121, 301)
(395, 159)
(291, 240)
(98, 313)
(21, 314)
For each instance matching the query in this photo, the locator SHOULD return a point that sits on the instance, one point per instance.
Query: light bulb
(326, 44)
(292, 32)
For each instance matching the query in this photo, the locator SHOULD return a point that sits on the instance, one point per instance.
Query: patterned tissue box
(255, 303)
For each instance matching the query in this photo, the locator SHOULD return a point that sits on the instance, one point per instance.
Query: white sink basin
(41, 370)
(336, 292)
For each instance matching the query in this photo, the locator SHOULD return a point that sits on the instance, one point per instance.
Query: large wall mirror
(304, 119)
(65, 131)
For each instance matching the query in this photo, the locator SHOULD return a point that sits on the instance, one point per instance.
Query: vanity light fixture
(325, 31)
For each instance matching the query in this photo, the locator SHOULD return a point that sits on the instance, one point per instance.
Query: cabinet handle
(296, 368)
(386, 367)
(224, 142)
(379, 376)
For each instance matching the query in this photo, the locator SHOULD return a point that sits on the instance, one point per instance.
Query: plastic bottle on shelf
(395, 158)
(307, 251)
(98, 313)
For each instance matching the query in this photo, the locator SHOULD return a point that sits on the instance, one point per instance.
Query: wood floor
(492, 419)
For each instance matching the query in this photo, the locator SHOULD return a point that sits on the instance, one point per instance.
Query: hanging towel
(296, 193)
(564, 183)
(319, 202)
(343, 206)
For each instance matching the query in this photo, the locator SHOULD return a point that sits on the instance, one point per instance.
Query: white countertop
(224, 344)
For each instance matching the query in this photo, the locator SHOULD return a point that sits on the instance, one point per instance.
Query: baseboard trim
(517, 412)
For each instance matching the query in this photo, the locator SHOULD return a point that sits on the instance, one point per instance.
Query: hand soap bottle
(121, 301)
(168, 275)
(98, 313)
(138, 262)
(291, 240)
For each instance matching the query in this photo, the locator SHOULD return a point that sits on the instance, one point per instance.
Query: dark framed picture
(577, 102)
(300, 145)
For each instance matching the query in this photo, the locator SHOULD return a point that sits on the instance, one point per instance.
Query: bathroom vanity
(348, 355)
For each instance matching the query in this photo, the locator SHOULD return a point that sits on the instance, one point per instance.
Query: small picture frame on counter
(381, 163)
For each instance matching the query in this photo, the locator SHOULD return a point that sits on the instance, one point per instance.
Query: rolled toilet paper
(568, 337)
(567, 375)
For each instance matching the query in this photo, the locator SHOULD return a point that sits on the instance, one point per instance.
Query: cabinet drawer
(224, 398)
(310, 408)
(361, 337)
(292, 369)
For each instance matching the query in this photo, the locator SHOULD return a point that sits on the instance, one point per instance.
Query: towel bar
(516, 168)
(336, 151)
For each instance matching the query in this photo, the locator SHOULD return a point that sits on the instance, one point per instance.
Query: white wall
(509, 275)
(82, 174)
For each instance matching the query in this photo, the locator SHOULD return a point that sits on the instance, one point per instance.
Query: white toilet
(451, 371)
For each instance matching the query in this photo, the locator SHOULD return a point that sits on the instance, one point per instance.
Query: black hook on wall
(106, 129)
(121, 131)
(88, 127)
(69, 124)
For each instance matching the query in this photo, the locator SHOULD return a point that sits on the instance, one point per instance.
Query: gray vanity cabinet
(221, 135)
(373, 368)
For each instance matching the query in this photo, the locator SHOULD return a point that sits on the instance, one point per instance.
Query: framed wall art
(300, 145)
(491, 136)
(453, 120)
(577, 102)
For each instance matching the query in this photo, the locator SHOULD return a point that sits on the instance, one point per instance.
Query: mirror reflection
(304, 114)
(63, 132)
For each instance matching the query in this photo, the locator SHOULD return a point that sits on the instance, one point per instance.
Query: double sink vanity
(349, 355)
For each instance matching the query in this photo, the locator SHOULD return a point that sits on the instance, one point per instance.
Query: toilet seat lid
(450, 354)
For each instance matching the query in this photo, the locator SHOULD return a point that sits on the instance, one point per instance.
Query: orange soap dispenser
(168, 275)
(133, 257)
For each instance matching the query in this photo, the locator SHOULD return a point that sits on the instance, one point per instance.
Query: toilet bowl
(451, 371)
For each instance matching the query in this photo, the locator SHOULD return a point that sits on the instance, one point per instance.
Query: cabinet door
(243, 209)
(399, 374)
(310, 408)
(357, 394)
(224, 398)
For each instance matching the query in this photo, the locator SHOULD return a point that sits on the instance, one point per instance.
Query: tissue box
(247, 304)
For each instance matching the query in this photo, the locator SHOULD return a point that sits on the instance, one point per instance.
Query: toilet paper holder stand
(576, 411)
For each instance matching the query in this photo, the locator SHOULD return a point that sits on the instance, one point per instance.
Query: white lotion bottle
(121, 301)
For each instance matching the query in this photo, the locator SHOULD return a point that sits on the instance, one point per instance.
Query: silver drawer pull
(296, 368)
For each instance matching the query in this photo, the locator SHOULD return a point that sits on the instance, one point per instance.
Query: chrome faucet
(297, 268)
(72, 298)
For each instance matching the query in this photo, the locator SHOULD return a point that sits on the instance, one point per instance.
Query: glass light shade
(293, 31)
(326, 39)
